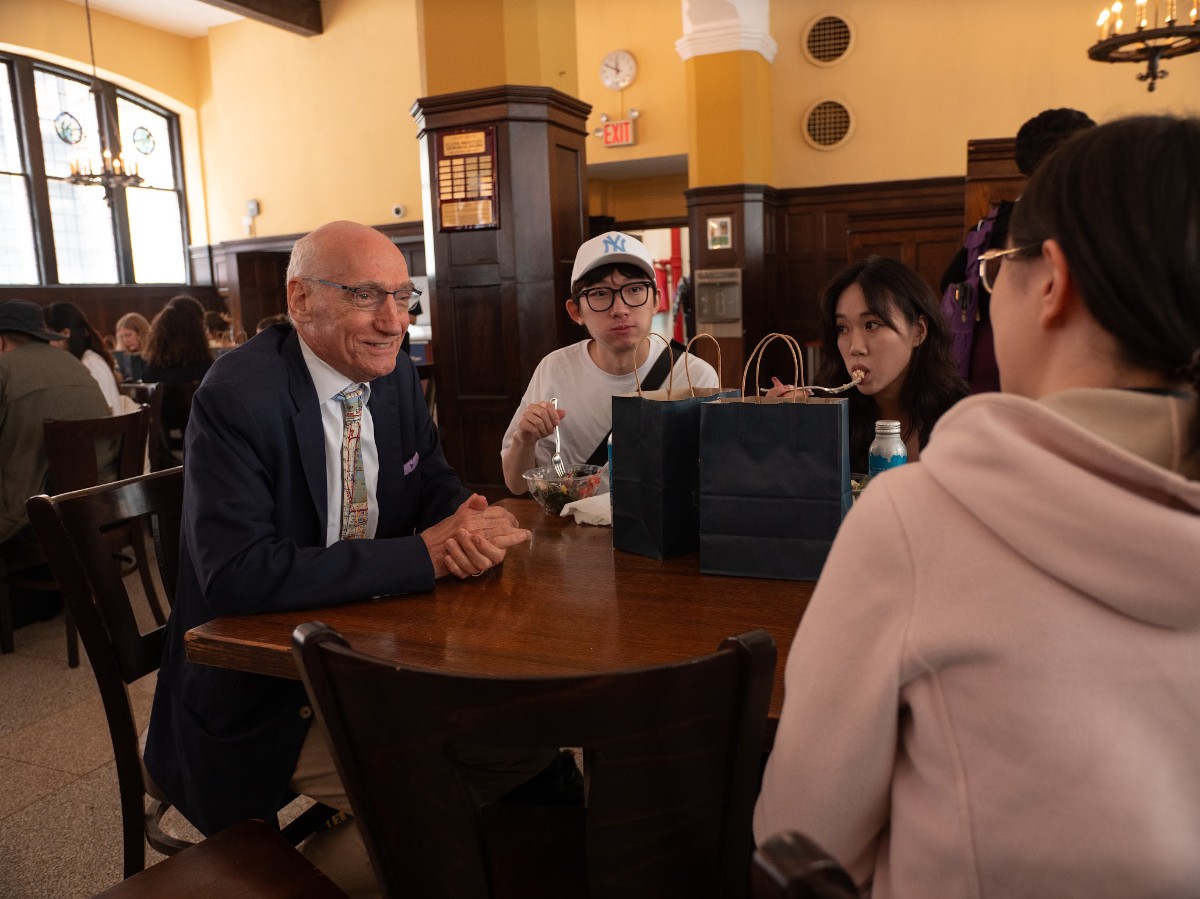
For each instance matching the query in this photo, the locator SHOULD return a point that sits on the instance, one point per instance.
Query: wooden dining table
(564, 603)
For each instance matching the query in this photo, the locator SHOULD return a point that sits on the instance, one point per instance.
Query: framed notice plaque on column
(465, 179)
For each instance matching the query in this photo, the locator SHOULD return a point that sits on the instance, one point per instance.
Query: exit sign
(618, 134)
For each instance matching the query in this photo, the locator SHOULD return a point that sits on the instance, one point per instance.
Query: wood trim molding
(298, 16)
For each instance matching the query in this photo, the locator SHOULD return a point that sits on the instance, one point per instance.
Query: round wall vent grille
(828, 124)
(827, 40)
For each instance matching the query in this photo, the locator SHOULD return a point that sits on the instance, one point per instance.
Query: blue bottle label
(876, 464)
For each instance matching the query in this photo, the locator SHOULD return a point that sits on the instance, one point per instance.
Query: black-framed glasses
(371, 298)
(633, 294)
(989, 264)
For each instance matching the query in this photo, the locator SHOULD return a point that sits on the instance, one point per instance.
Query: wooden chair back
(672, 757)
(79, 454)
(789, 865)
(427, 372)
(170, 408)
(73, 529)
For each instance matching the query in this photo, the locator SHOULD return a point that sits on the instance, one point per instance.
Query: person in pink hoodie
(995, 690)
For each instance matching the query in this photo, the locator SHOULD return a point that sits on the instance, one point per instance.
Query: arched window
(53, 231)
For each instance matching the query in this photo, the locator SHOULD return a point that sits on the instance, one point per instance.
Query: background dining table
(564, 603)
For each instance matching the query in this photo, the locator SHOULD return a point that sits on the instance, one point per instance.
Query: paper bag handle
(755, 358)
(671, 370)
(687, 352)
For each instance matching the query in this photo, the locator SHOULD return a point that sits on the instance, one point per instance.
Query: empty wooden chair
(791, 866)
(249, 860)
(73, 528)
(80, 454)
(671, 757)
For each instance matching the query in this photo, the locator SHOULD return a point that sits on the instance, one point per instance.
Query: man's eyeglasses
(633, 294)
(989, 264)
(371, 298)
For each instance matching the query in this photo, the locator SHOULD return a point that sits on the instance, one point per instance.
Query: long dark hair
(177, 338)
(1123, 202)
(83, 335)
(893, 291)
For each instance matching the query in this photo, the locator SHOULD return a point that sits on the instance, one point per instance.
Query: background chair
(427, 371)
(73, 528)
(249, 860)
(170, 408)
(791, 866)
(671, 756)
(80, 454)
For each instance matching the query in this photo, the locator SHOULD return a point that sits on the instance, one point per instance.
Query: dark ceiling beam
(300, 16)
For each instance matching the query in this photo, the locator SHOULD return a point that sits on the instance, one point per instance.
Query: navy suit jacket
(222, 743)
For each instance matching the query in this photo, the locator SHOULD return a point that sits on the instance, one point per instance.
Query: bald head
(334, 244)
(360, 342)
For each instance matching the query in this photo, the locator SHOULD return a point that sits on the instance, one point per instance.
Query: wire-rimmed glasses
(370, 299)
(989, 264)
(633, 294)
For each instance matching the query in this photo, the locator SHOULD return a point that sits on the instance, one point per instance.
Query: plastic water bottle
(887, 449)
(610, 477)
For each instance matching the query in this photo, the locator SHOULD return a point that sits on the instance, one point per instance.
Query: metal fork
(556, 460)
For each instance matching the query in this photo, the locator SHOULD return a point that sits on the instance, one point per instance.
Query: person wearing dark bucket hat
(37, 382)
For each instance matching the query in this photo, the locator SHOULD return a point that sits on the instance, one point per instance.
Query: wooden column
(497, 293)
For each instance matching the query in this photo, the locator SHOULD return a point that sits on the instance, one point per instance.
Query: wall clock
(618, 70)
(68, 129)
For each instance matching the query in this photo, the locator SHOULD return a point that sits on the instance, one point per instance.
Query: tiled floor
(60, 823)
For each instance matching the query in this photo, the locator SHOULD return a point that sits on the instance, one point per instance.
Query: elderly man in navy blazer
(264, 521)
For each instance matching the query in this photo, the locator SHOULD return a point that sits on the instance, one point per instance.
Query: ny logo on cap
(614, 243)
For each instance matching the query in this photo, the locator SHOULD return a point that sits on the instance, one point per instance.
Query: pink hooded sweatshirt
(995, 691)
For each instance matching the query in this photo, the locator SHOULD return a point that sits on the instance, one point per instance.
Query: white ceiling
(190, 18)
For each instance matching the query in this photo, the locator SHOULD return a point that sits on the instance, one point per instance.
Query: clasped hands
(473, 539)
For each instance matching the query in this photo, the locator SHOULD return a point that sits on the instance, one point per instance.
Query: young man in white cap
(613, 296)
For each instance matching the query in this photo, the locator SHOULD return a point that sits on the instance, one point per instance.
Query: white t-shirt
(103, 376)
(585, 392)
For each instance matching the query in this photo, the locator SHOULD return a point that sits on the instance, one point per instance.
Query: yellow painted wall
(924, 78)
(648, 29)
(638, 200)
(315, 128)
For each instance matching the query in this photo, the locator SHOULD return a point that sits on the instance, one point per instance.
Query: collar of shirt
(328, 381)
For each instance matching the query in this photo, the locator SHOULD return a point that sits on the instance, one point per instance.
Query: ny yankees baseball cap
(612, 246)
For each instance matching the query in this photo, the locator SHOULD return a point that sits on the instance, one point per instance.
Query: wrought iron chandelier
(1149, 36)
(111, 171)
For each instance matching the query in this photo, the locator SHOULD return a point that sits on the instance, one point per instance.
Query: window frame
(21, 69)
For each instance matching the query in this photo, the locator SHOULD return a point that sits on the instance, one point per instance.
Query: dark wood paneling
(298, 16)
(992, 175)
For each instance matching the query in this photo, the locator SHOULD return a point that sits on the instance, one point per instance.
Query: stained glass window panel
(10, 145)
(18, 262)
(67, 119)
(146, 143)
(83, 234)
(156, 233)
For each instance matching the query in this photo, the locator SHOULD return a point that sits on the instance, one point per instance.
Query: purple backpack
(960, 302)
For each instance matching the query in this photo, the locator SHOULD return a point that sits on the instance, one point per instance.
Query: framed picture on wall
(720, 233)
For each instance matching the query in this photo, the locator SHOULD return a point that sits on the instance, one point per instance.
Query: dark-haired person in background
(177, 348)
(86, 344)
(994, 689)
(1036, 139)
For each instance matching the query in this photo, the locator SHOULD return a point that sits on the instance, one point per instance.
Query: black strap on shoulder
(654, 379)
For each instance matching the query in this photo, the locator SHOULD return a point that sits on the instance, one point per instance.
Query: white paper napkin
(592, 510)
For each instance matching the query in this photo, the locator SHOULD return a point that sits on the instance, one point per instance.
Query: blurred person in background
(177, 348)
(131, 333)
(86, 344)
